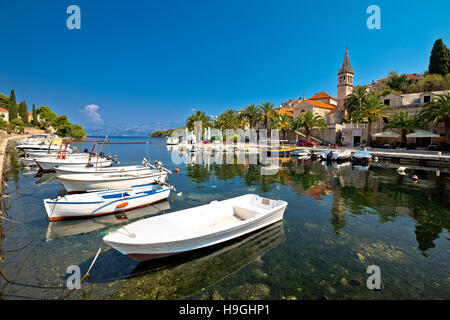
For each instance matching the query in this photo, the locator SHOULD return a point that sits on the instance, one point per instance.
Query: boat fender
(124, 204)
(415, 178)
(177, 170)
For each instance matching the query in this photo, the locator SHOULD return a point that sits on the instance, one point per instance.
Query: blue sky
(148, 64)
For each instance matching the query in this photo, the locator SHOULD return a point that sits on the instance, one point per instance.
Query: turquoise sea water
(339, 221)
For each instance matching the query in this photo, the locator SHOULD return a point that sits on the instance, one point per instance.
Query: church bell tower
(345, 84)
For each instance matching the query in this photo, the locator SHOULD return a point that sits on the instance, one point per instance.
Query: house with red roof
(4, 114)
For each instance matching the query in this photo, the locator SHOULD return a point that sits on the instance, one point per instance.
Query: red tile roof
(320, 104)
(3, 110)
(321, 95)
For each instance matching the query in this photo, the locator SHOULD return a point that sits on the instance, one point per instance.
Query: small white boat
(195, 228)
(93, 204)
(301, 153)
(172, 140)
(362, 157)
(83, 170)
(34, 147)
(50, 163)
(336, 155)
(111, 180)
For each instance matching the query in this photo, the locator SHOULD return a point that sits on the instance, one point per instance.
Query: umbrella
(386, 134)
(422, 134)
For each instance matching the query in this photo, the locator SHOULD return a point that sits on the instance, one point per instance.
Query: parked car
(305, 143)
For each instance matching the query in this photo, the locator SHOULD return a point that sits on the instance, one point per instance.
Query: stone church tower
(344, 87)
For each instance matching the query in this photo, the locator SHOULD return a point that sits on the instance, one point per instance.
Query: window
(387, 102)
(416, 100)
(426, 99)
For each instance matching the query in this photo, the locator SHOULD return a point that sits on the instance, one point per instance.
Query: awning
(422, 134)
(386, 134)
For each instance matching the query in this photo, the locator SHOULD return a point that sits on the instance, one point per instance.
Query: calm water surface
(339, 220)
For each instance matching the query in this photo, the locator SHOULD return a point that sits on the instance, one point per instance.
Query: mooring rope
(84, 277)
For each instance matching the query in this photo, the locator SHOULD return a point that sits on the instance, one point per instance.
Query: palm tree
(253, 114)
(309, 121)
(267, 113)
(198, 116)
(405, 122)
(439, 110)
(371, 110)
(228, 120)
(355, 100)
(283, 123)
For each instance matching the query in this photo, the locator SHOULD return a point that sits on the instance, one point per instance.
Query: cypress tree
(35, 119)
(12, 106)
(439, 59)
(23, 111)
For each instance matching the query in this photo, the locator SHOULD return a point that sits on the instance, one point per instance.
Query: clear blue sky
(149, 63)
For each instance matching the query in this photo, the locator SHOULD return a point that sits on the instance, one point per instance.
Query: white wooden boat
(195, 228)
(51, 163)
(83, 170)
(33, 147)
(111, 180)
(93, 204)
(362, 157)
(301, 153)
(65, 228)
(336, 155)
(172, 140)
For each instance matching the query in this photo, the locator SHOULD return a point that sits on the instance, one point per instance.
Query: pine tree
(12, 106)
(23, 111)
(439, 59)
(35, 119)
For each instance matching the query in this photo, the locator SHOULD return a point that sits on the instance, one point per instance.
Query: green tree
(439, 59)
(77, 131)
(228, 120)
(23, 112)
(283, 122)
(4, 101)
(12, 107)
(253, 115)
(370, 111)
(355, 100)
(308, 121)
(35, 119)
(405, 122)
(47, 116)
(438, 110)
(267, 113)
(198, 116)
(398, 83)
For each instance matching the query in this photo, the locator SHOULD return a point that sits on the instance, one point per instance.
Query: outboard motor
(86, 151)
(102, 154)
(329, 155)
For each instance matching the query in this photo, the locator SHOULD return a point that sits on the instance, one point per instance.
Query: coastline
(4, 142)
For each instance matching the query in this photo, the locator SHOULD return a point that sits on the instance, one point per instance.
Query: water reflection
(60, 229)
(353, 189)
(181, 276)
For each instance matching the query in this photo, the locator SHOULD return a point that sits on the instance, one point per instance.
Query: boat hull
(147, 251)
(82, 170)
(50, 164)
(81, 185)
(64, 209)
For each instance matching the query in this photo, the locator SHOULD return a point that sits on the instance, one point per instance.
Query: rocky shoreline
(5, 143)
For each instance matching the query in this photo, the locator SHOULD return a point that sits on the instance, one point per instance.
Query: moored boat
(301, 153)
(50, 163)
(362, 157)
(111, 180)
(93, 204)
(195, 228)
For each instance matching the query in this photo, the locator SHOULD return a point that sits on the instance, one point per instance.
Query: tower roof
(346, 67)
